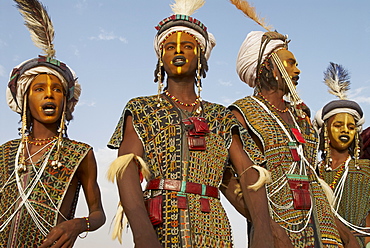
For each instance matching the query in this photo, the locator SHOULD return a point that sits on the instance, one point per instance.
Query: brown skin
(181, 85)
(44, 125)
(275, 97)
(342, 124)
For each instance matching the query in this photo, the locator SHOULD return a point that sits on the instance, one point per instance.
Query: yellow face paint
(341, 131)
(178, 48)
(46, 89)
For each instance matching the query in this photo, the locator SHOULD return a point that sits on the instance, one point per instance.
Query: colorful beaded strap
(181, 17)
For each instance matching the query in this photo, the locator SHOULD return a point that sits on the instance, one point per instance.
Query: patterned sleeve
(249, 145)
(117, 137)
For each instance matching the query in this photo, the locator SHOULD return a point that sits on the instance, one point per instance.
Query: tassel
(119, 165)
(264, 178)
(119, 223)
(327, 190)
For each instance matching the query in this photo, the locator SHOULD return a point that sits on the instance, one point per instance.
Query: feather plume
(250, 12)
(119, 222)
(327, 190)
(119, 165)
(186, 7)
(336, 77)
(39, 24)
(264, 178)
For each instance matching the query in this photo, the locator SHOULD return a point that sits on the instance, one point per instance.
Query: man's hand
(64, 234)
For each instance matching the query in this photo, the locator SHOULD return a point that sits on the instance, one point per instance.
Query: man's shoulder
(75, 143)
(243, 101)
(363, 165)
(212, 105)
(10, 143)
(142, 100)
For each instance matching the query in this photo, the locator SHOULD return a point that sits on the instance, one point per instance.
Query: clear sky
(109, 43)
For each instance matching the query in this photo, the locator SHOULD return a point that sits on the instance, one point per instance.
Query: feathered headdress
(250, 12)
(182, 21)
(255, 49)
(184, 7)
(336, 77)
(39, 24)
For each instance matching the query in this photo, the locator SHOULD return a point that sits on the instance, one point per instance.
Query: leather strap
(183, 186)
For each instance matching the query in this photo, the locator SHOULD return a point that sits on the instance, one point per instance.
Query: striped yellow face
(341, 131)
(180, 54)
(46, 99)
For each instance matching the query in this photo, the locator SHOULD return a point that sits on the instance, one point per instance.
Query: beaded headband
(48, 62)
(178, 17)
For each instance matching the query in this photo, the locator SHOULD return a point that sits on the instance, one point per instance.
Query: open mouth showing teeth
(344, 138)
(179, 61)
(49, 108)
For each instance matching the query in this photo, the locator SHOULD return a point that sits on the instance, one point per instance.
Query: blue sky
(110, 46)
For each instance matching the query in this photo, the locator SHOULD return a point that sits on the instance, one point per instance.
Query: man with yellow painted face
(182, 144)
(340, 124)
(286, 138)
(42, 172)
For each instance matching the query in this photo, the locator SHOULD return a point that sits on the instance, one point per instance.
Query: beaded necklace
(40, 142)
(272, 105)
(339, 173)
(180, 102)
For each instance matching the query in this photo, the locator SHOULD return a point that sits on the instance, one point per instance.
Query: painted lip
(179, 60)
(49, 108)
(344, 138)
(295, 80)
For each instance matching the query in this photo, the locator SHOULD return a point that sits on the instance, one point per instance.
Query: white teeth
(49, 111)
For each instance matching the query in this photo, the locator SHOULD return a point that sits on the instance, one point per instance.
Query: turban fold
(247, 60)
(187, 24)
(206, 44)
(340, 106)
(22, 76)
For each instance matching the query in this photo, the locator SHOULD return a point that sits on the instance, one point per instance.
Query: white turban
(246, 64)
(320, 119)
(206, 45)
(25, 80)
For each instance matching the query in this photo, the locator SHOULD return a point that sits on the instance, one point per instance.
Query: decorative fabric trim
(181, 17)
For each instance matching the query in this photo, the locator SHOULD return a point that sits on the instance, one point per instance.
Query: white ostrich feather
(336, 77)
(186, 7)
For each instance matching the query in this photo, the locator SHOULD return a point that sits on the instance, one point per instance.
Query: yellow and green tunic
(166, 152)
(354, 203)
(305, 229)
(18, 228)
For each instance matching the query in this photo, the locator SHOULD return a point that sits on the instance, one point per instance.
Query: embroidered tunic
(45, 199)
(354, 205)
(302, 226)
(166, 152)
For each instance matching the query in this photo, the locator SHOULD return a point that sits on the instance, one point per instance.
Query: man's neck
(275, 97)
(182, 88)
(44, 130)
(338, 157)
